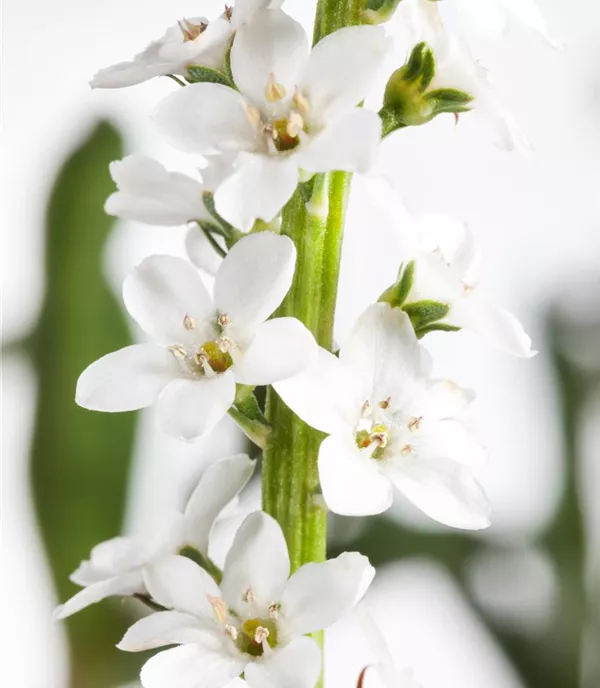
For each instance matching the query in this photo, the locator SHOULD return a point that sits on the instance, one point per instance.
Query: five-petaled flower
(292, 111)
(206, 346)
(254, 622)
(116, 567)
(389, 425)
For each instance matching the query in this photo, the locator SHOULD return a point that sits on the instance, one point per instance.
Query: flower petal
(499, 327)
(326, 395)
(126, 380)
(356, 50)
(384, 348)
(148, 193)
(258, 188)
(162, 628)
(281, 348)
(257, 561)
(254, 278)
(297, 665)
(271, 46)
(161, 292)
(201, 252)
(206, 118)
(178, 583)
(191, 666)
(243, 9)
(444, 490)
(449, 439)
(349, 143)
(318, 595)
(217, 487)
(441, 399)
(189, 409)
(351, 482)
(127, 584)
(144, 66)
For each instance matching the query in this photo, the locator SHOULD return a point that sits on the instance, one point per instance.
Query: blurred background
(514, 607)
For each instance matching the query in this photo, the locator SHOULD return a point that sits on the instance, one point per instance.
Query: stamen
(231, 631)
(406, 449)
(301, 102)
(248, 596)
(380, 439)
(274, 91)
(366, 409)
(228, 12)
(385, 403)
(261, 634)
(201, 358)
(178, 351)
(274, 610)
(223, 320)
(220, 609)
(225, 344)
(414, 423)
(295, 124)
(191, 31)
(253, 115)
(188, 322)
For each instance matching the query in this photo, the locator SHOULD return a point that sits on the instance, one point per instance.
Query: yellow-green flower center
(253, 633)
(215, 355)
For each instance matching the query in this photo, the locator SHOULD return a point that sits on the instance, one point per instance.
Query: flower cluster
(270, 115)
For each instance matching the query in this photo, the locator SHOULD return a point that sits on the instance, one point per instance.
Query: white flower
(206, 347)
(389, 425)
(293, 111)
(190, 41)
(254, 622)
(116, 567)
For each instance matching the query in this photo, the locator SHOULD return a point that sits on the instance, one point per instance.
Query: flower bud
(409, 98)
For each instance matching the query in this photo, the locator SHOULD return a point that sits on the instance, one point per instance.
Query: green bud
(397, 294)
(424, 313)
(407, 100)
(379, 11)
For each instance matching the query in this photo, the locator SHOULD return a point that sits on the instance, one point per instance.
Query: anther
(219, 608)
(188, 322)
(274, 91)
(225, 344)
(301, 102)
(414, 423)
(366, 409)
(201, 357)
(274, 610)
(261, 634)
(253, 115)
(295, 125)
(231, 631)
(406, 449)
(191, 31)
(178, 351)
(385, 403)
(223, 320)
(248, 596)
(380, 439)
(228, 12)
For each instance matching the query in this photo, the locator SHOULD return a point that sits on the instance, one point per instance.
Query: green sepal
(199, 74)
(306, 189)
(449, 100)
(379, 11)
(227, 231)
(204, 561)
(210, 229)
(424, 313)
(397, 294)
(436, 327)
(227, 69)
(248, 415)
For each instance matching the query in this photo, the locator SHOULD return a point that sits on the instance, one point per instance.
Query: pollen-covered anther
(301, 102)
(231, 631)
(414, 423)
(385, 403)
(225, 344)
(295, 124)
(248, 596)
(274, 610)
(274, 91)
(380, 439)
(261, 634)
(178, 351)
(228, 13)
(188, 322)
(201, 358)
(191, 31)
(406, 449)
(219, 608)
(223, 320)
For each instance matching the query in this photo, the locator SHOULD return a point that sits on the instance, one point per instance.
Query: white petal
(349, 143)
(499, 327)
(254, 278)
(201, 252)
(126, 380)
(144, 66)
(258, 188)
(449, 439)
(217, 487)
(148, 193)
(205, 118)
(117, 555)
(297, 665)
(384, 348)
(127, 584)
(178, 583)
(445, 490)
(441, 399)
(318, 595)
(190, 666)
(162, 628)
(209, 48)
(351, 482)
(326, 395)
(281, 348)
(271, 46)
(189, 409)
(243, 9)
(257, 561)
(358, 51)
(161, 292)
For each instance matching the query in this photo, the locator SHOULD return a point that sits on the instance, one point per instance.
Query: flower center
(254, 633)
(375, 438)
(191, 31)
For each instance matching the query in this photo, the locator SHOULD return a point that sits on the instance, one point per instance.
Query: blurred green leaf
(79, 459)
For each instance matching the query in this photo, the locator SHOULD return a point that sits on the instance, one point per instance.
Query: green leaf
(198, 74)
(80, 460)
(424, 313)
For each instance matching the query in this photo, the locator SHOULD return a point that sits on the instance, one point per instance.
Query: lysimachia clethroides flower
(389, 425)
(206, 345)
(253, 622)
(191, 41)
(291, 110)
(117, 566)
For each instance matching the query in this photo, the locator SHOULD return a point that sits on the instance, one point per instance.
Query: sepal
(425, 313)
(199, 74)
(379, 11)
(248, 415)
